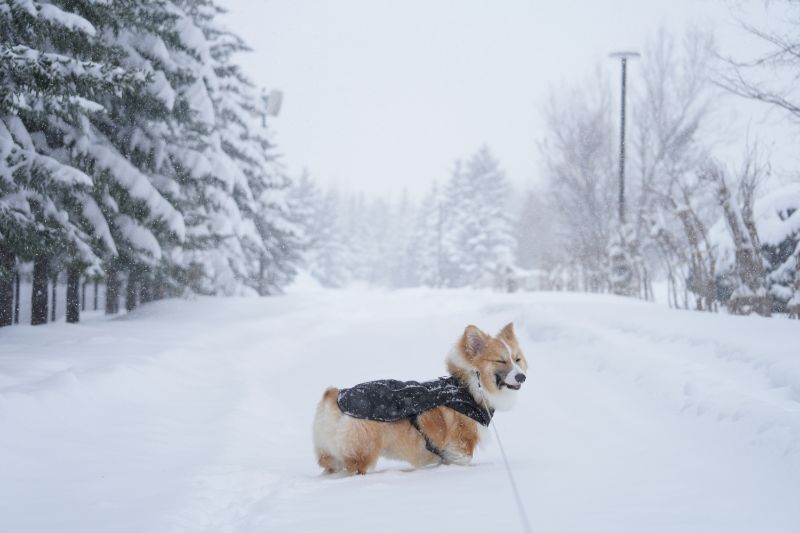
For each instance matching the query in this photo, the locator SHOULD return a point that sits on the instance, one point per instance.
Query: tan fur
(464, 360)
(354, 445)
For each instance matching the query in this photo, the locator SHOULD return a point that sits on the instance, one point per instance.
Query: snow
(304, 282)
(95, 216)
(26, 5)
(135, 183)
(87, 105)
(139, 237)
(776, 215)
(195, 416)
(68, 20)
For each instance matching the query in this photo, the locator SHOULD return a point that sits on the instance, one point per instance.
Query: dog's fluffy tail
(325, 428)
(330, 395)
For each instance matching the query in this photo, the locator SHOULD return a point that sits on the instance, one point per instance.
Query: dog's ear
(474, 341)
(507, 333)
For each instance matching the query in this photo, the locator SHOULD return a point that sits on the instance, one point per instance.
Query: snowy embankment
(195, 416)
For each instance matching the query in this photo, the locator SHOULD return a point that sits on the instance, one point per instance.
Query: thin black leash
(526, 525)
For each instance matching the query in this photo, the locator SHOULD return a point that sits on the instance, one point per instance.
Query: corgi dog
(435, 422)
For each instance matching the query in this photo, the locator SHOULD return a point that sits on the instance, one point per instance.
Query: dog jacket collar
(389, 400)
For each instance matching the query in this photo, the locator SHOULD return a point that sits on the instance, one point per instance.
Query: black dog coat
(389, 400)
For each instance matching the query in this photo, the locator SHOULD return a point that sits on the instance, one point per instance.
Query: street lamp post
(272, 104)
(623, 56)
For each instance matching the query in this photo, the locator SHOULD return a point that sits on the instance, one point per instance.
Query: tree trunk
(673, 290)
(751, 295)
(146, 293)
(96, 291)
(112, 291)
(83, 294)
(39, 293)
(262, 290)
(158, 288)
(73, 302)
(16, 297)
(130, 293)
(6, 286)
(53, 299)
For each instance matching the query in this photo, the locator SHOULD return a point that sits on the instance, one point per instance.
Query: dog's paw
(453, 457)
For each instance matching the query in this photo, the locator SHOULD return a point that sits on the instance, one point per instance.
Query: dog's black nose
(520, 378)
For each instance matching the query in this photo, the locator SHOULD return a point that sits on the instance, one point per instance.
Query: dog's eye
(501, 361)
(517, 360)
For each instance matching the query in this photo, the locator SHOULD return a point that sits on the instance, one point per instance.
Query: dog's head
(494, 368)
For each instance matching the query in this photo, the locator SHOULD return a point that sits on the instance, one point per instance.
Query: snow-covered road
(194, 416)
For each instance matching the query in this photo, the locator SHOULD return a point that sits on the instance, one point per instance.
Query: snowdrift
(195, 416)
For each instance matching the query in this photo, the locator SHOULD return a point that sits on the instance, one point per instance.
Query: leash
(526, 526)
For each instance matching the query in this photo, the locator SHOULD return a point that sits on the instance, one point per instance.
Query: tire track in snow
(703, 376)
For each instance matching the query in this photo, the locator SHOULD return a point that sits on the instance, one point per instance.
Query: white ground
(194, 416)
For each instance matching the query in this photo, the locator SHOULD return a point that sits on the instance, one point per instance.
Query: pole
(623, 56)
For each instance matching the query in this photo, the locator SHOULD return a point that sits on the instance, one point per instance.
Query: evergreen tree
(136, 191)
(327, 258)
(356, 235)
(425, 247)
(304, 202)
(60, 77)
(777, 218)
(267, 239)
(397, 261)
(130, 145)
(482, 245)
(455, 206)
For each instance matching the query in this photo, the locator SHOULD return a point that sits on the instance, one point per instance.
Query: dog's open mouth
(500, 383)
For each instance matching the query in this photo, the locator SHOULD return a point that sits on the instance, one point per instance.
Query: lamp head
(624, 54)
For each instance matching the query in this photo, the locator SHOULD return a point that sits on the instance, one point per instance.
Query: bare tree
(771, 76)
(750, 294)
(670, 216)
(578, 161)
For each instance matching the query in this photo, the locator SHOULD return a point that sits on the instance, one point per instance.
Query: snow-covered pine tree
(425, 248)
(327, 257)
(269, 238)
(482, 235)
(211, 257)
(776, 216)
(59, 76)
(128, 145)
(304, 201)
(280, 233)
(793, 305)
(376, 223)
(455, 205)
(397, 260)
(117, 142)
(358, 236)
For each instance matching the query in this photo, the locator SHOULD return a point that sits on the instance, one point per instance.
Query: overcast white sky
(383, 95)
